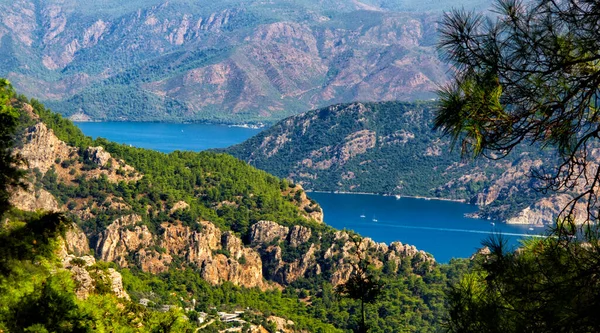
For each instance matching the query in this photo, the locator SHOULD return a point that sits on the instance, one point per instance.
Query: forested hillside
(390, 148)
(225, 61)
(194, 234)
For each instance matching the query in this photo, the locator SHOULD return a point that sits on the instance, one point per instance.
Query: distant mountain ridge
(230, 61)
(390, 148)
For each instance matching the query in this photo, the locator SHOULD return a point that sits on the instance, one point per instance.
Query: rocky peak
(221, 256)
(122, 237)
(31, 199)
(76, 241)
(88, 277)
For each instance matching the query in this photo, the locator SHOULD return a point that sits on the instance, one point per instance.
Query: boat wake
(462, 230)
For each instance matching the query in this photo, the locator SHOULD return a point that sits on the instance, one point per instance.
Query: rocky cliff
(222, 256)
(233, 61)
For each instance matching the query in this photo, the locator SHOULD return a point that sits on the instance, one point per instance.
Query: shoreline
(249, 125)
(391, 195)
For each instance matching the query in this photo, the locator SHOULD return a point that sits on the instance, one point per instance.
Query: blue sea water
(167, 137)
(437, 227)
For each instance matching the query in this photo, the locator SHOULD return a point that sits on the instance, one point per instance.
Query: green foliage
(530, 75)
(9, 117)
(225, 191)
(406, 157)
(362, 285)
(549, 285)
(37, 295)
(30, 241)
(167, 288)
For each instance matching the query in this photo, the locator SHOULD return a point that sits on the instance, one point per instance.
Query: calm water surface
(168, 137)
(437, 227)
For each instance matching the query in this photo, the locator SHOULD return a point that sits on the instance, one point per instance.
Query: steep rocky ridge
(390, 148)
(229, 61)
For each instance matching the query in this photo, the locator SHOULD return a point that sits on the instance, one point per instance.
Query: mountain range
(227, 61)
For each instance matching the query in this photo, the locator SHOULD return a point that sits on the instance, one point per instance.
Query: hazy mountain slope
(390, 148)
(226, 61)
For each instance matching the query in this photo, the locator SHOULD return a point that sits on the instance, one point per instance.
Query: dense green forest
(47, 303)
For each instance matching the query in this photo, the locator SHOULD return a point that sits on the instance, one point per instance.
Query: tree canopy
(9, 174)
(530, 74)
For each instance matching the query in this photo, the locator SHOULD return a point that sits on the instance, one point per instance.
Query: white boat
(363, 216)
(530, 229)
(493, 224)
(398, 197)
(374, 220)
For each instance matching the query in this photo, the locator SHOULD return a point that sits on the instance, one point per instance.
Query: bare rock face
(545, 211)
(98, 155)
(179, 205)
(32, 200)
(299, 268)
(76, 241)
(299, 235)
(42, 148)
(282, 324)
(83, 280)
(264, 232)
(122, 237)
(87, 277)
(220, 256)
(285, 269)
(117, 284)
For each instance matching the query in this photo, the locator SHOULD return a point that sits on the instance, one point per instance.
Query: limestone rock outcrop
(122, 237)
(42, 148)
(32, 200)
(98, 155)
(299, 235)
(76, 241)
(544, 211)
(287, 253)
(220, 256)
(264, 232)
(88, 277)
